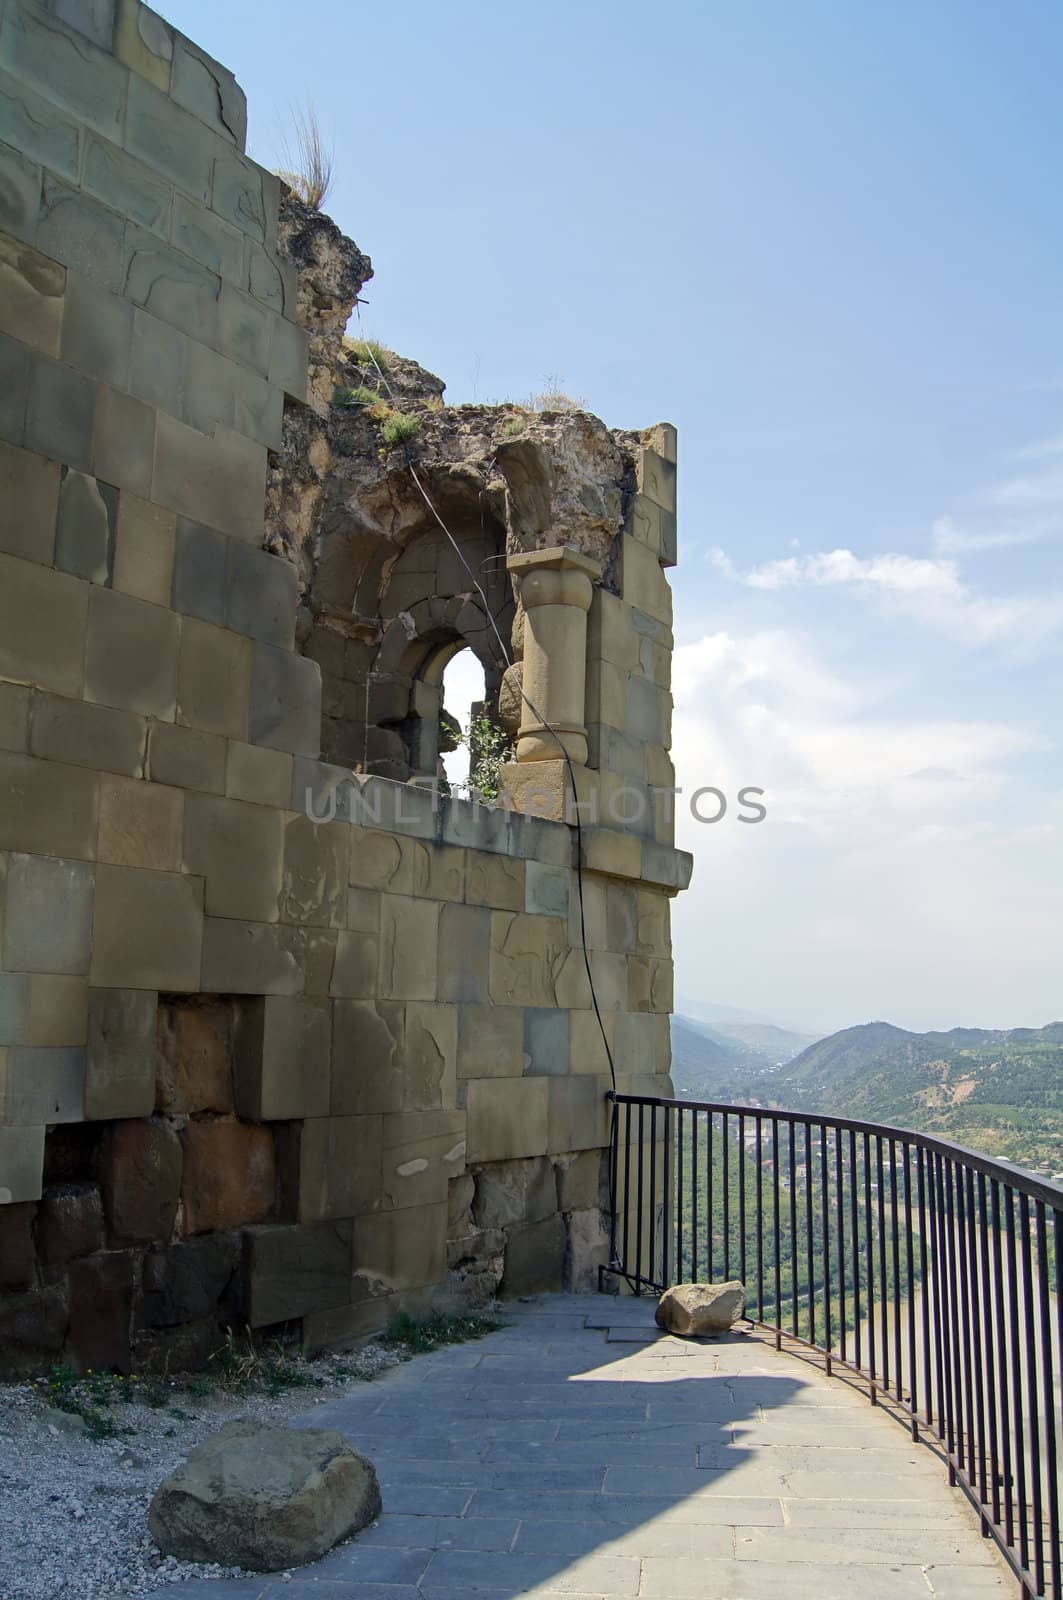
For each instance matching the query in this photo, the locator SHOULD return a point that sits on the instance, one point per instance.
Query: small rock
(264, 1497)
(696, 1310)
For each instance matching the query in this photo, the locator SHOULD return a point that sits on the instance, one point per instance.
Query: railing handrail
(932, 1272)
(1029, 1183)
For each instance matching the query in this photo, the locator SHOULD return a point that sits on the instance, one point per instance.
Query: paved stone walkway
(578, 1453)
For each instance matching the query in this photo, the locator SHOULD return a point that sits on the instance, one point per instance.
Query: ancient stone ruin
(287, 1037)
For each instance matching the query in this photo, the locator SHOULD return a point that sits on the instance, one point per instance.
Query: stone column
(555, 588)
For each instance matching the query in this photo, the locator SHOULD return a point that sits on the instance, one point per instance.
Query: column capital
(560, 576)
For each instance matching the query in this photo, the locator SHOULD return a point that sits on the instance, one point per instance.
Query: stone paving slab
(579, 1453)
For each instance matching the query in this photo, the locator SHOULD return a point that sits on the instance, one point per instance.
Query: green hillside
(1000, 1091)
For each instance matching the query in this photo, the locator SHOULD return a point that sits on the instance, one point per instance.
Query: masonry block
(285, 701)
(382, 861)
(159, 362)
(139, 1170)
(35, 125)
(21, 1164)
(339, 1167)
(48, 915)
(13, 717)
(213, 679)
(546, 1040)
(494, 880)
(16, 366)
(294, 1270)
(144, 42)
(86, 526)
(195, 1056)
(81, 233)
(250, 958)
(259, 775)
(429, 1057)
(131, 654)
(261, 595)
(65, 68)
(18, 1257)
(209, 91)
(578, 1114)
(31, 295)
(525, 950)
(43, 618)
(399, 1250)
(47, 807)
(141, 824)
(220, 480)
(229, 1174)
(120, 1058)
(546, 890)
(490, 1041)
(186, 758)
(29, 498)
(644, 584)
(289, 359)
(507, 1118)
(148, 931)
(238, 193)
(128, 186)
(87, 735)
(409, 932)
(314, 873)
(168, 140)
(41, 1084)
(199, 571)
(368, 1042)
(283, 1058)
(173, 287)
(202, 234)
(464, 953)
(418, 1170)
(123, 440)
(43, 1009)
(237, 848)
(101, 1303)
(20, 200)
(535, 1258)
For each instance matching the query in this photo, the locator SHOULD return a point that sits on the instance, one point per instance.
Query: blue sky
(825, 240)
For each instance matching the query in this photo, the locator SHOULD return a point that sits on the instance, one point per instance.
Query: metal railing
(932, 1272)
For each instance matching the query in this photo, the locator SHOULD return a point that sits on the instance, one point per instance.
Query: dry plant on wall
(310, 169)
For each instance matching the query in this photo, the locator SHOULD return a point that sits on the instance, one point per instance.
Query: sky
(823, 239)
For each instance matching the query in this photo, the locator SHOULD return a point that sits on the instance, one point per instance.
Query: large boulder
(698, 1310)
(261, 1496)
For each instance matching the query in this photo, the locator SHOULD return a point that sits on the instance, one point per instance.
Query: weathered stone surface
(195, 1056)
(148, 930)
(229, 1175)
(587, 1249)
(18, 1261)
(698, 1310)
(120, 1057)
(70, 1222)
(509, 1192)
(264, 1497)
(292, 1270)
(535, 1258)
(283, 1055)
(189, 1281)
(101, 1304)
(21, 1163)
(139, 1167)
(32, 1328)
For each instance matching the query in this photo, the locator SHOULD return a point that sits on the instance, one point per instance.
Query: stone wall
(257, 1067)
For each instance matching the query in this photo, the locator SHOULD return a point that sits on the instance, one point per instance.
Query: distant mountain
(997, 1090)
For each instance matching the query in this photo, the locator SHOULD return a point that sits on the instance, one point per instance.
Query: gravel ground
(73, 1509)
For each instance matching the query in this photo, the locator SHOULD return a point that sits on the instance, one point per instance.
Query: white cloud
(907, 868)
(928, 590)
